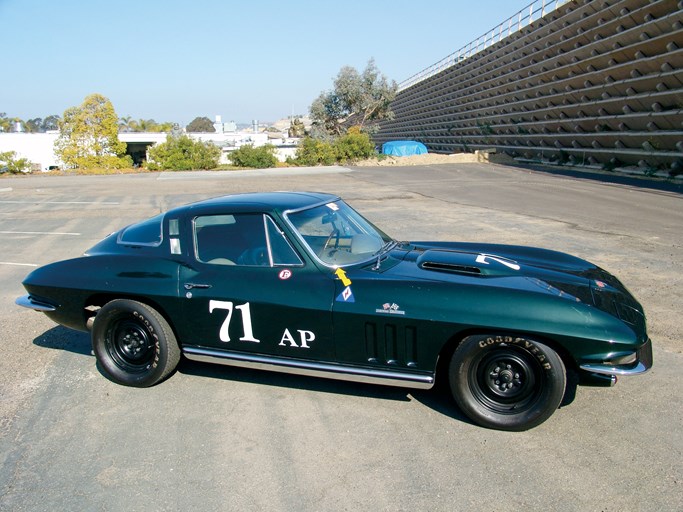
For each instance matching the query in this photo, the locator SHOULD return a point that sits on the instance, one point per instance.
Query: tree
(34, 125)
(50, 123)
(4, 122)
(357, 100)
(183, 154)
(8, 124)
(296, 128)
(165, 127)
(201, 124)
(128, 124)
(88, 136)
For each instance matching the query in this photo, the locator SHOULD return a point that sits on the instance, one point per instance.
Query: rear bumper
(642, 364)
(26, 301)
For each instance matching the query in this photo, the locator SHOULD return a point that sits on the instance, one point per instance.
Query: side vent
(451, 267)
(391, 344)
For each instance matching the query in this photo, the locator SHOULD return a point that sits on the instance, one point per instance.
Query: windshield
(337, 235)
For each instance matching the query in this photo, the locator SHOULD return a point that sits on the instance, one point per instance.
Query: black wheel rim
(506, 380)
(130, 345)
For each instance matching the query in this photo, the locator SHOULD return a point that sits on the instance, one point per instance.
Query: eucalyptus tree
(357, 99)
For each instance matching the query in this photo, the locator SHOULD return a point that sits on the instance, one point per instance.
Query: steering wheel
(333, 233)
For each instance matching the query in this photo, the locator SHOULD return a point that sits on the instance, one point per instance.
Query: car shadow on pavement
(436, 398)
(61, 338)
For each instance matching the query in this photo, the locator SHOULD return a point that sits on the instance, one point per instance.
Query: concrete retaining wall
(593, 82)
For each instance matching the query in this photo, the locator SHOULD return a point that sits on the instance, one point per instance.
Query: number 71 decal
(305, 337)
(224, 333)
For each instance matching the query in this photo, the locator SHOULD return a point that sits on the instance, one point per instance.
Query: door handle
(190, 286)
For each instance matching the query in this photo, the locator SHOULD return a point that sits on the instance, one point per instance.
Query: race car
(300, 282)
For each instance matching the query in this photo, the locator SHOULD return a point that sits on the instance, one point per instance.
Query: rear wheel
(506, 382)
(134, 344)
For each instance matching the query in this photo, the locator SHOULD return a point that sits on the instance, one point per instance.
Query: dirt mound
(436, 158)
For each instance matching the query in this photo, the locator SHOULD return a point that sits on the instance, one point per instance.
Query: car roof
(258, 202)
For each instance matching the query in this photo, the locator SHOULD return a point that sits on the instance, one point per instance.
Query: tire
(134, 345)
(506, 382)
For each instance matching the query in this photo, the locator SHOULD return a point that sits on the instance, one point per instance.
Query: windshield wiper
(386, 247)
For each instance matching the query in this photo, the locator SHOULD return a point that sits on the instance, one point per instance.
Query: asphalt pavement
(219, 438)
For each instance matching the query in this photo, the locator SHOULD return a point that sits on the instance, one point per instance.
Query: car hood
(522, 268)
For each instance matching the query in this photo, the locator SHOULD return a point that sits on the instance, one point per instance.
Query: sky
(171, 60)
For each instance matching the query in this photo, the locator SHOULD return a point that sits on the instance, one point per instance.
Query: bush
(183, 154)
(350, 147)
(261, 157)
(10, 163)
(315, 152)
(354, 146)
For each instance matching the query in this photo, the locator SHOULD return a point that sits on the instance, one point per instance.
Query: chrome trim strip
(314, 205)
(310, 368)
(601, 369)
(26, 301)
(643, 364)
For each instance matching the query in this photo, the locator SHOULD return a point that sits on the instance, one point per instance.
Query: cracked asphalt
(218, 438)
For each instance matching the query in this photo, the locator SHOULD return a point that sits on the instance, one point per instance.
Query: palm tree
(127, 124)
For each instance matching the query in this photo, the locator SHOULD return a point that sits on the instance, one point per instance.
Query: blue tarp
(403, 148)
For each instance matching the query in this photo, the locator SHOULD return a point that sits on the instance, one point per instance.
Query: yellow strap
(342, 275)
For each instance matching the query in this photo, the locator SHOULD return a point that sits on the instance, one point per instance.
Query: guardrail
(515, 23)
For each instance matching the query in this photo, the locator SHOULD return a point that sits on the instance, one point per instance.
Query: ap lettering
(304, 338)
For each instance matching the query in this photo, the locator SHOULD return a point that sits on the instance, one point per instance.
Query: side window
(280, 249)
(231, 240)
(147, 232)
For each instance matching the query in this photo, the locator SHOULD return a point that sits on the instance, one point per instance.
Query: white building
(39, 147)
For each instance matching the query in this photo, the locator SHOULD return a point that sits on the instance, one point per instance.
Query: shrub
(261, 157)
(315, 152)
(12, 164)
(354, 146)
(183, 154)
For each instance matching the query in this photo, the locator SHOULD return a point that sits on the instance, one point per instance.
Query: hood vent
(451, 267)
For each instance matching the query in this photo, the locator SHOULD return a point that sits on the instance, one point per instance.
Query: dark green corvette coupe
(301, 283)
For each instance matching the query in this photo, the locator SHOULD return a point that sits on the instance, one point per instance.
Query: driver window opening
(231, 240)
(243, 240)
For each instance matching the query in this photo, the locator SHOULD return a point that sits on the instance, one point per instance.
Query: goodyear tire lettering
(529, 346)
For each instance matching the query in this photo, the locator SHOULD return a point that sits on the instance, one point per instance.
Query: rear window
(147, 232)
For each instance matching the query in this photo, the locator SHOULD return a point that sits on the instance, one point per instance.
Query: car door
(248, 290)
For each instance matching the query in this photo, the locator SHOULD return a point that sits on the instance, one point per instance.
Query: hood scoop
(450, 267)
(467, 263)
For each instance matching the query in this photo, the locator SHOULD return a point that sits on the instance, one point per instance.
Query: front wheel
(506, 382)
(134, 344)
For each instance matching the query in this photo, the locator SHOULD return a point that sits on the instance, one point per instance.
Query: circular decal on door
(285, 274)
